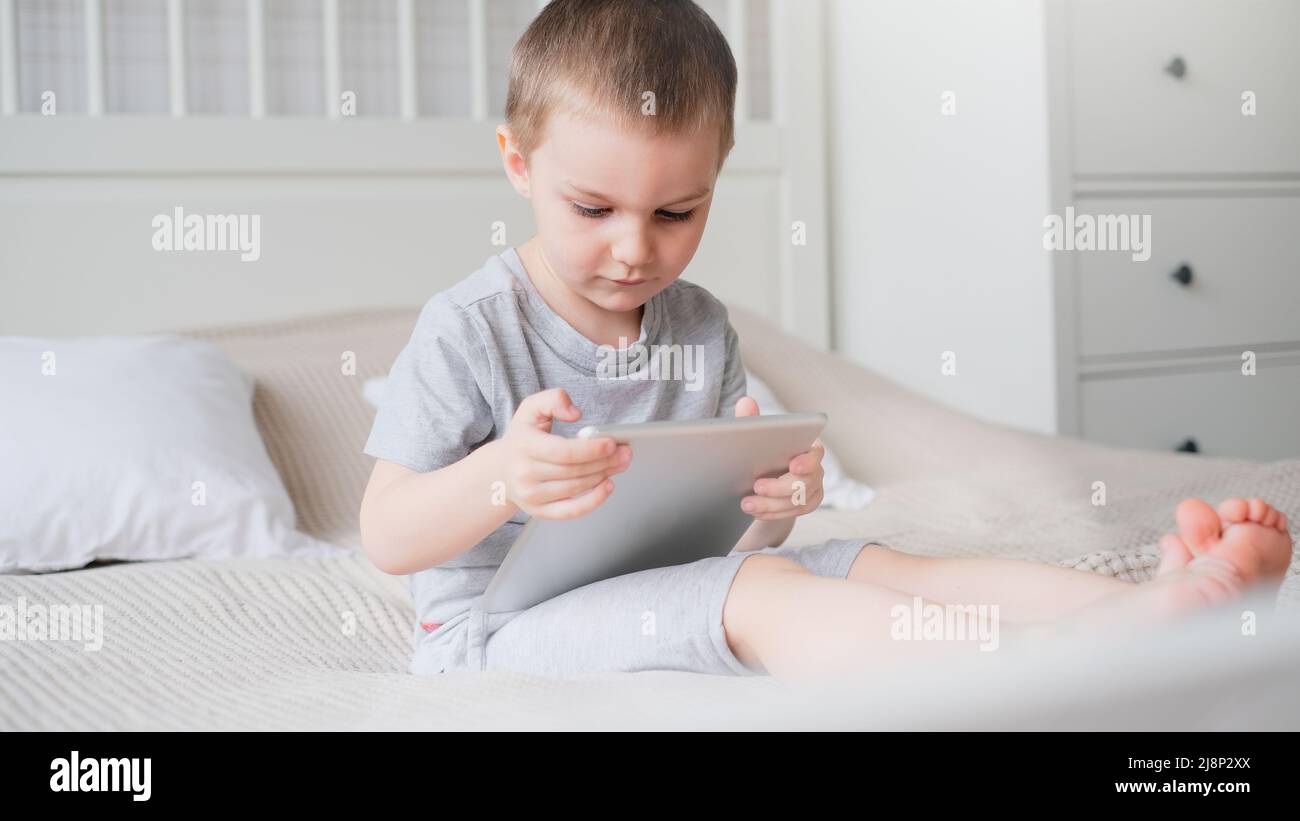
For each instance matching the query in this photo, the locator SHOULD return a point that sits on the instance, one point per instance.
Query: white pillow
(133, 448)
(842, 491)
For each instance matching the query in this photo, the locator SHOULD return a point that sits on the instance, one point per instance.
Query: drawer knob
(1188, 446)
(1176, 68)
(1183, 276)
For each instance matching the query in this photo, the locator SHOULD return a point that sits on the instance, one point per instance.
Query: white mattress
(323, 644)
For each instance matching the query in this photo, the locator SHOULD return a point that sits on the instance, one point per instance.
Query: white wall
(936, 221)
(353, 215)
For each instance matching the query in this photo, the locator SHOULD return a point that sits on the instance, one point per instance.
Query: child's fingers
(549, 471)
(548, 447)
(808, 461)
(780, 486)
(576, 506)
(552, 491)
(784, 485)
(540, 408)
(778, 507)
(759, 506)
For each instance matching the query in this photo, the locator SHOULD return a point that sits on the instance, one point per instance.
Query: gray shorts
(667, 618)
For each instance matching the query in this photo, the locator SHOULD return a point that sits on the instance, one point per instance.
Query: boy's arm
(429, 497)
(412, 521)
(765, 533)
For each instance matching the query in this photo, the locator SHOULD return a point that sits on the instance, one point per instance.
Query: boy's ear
(515, 166)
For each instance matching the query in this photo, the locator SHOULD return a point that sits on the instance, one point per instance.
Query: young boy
(619, 118)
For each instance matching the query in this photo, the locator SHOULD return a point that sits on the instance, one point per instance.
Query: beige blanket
(323, 643)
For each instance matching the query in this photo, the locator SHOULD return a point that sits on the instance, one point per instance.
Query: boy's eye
(594, 213)
(677, 216)
(597, 213)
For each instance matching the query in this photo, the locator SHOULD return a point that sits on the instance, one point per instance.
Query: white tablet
(677, 502)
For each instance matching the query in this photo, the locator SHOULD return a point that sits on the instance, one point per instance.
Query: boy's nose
(633, 249)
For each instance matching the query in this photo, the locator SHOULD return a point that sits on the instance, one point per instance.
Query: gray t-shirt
(482, 346)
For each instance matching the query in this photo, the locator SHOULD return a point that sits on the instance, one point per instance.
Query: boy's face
(614, 205)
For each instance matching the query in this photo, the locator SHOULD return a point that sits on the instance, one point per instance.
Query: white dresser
(1150, 107)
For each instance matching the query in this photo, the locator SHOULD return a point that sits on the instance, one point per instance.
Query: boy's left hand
(792, 494)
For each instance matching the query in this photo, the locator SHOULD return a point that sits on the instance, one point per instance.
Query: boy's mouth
(628, 281)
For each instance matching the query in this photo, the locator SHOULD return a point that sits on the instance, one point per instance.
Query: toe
(1234, 510)
(1174, 554)
(1270, 518)
(1281, 521)
(1258, 507)
(1198, 524)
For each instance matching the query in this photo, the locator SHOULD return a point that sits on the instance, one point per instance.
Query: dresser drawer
(1132, 116)
(1223, 412)
(1242, 256)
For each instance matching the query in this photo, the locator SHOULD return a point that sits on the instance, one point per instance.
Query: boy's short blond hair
(598, 58)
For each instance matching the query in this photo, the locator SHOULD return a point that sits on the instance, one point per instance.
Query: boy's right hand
(553, 477)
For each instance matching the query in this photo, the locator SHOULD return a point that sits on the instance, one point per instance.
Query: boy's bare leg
(1033, 592)
(781, 619)
(1024, 591)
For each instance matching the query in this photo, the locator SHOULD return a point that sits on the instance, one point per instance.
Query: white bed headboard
(356, 212)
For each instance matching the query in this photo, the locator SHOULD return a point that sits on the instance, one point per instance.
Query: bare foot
(1214, 557)
(1241, 531)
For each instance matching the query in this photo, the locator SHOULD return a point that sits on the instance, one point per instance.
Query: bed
(323, 643)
